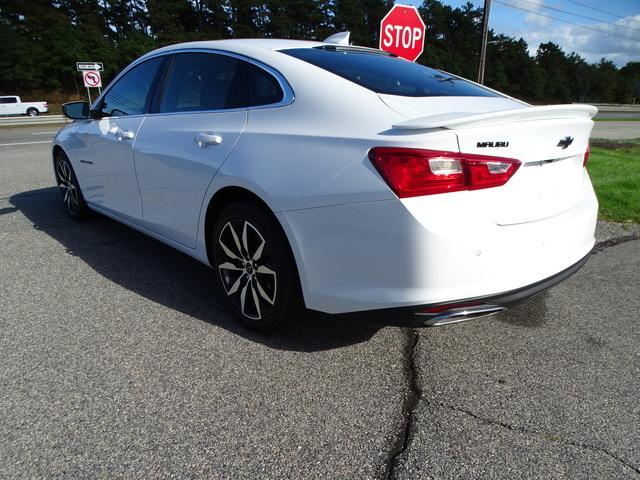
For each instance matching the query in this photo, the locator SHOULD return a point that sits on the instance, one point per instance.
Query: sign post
(402, 32)
(91, 76)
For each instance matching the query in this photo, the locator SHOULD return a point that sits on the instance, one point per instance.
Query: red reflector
(442, 308)
(586, 156)
(412, 172)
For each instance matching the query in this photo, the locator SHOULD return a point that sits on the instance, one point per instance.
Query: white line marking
(43, 133)
(23, 143)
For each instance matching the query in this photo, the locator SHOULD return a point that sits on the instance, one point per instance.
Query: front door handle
(121, 134)
(207, 138)
(125, 135)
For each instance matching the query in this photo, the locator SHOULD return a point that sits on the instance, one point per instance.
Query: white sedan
(335, 178)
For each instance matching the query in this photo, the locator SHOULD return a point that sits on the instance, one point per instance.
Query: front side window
(130, 93)
(387, 74)
(205, 81)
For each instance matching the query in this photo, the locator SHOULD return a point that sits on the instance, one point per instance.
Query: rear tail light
(412, 172)
(586, 156)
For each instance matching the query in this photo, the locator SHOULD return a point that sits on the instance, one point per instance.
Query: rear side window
(128, 96)
(387, 74)
(9, 100)
(264, 89)
(209, 81)
(205, 81)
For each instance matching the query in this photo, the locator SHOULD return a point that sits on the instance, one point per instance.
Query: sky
(609, 29)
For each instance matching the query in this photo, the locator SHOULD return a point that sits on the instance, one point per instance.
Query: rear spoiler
(466, 120)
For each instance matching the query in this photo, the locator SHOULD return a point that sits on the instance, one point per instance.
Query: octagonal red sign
(402, 32)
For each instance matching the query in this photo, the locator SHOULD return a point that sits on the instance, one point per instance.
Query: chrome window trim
(288, 93)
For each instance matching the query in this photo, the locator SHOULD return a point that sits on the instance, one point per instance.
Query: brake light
(586, 156)
(411, 172)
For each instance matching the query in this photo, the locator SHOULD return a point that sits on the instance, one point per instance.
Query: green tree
(626, 81)
(452, 39)
(302, 19)
(43, 39)
(520, 73)
(246, 17)
(172, 21)
(554, 64)
(360, 17)
(581, 77)
(604, 81)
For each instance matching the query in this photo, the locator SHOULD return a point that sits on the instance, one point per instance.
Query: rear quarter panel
(313, 153)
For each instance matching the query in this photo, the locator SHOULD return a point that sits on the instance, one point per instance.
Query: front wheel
(70, 189)
(255, 269)
(33, 112)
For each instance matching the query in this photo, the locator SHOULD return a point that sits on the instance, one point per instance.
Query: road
(119, 361)
(618, 130)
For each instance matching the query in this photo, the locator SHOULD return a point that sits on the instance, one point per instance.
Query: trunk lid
(550, 142)
(551, 178)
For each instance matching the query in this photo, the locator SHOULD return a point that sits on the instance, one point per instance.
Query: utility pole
(485, 33)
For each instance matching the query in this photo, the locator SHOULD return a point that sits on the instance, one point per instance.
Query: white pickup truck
(12, 105)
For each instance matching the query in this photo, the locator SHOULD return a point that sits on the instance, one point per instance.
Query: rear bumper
(518, 295)
(399, 254)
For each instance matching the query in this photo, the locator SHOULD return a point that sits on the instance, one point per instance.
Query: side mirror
(76, 110)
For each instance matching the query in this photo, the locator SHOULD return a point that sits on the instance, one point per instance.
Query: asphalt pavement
(617, 130)
(117, 360)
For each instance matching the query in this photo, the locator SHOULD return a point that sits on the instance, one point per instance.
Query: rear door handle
(207, 138)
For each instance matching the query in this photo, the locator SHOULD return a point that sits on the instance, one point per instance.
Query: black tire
(242, 266)
(33, 112)
(71, 194)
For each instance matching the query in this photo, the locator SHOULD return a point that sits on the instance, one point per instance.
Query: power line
(596, 9)
(563, 20)
(579, 15)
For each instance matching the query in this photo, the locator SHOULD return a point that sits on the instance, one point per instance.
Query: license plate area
(541, 189)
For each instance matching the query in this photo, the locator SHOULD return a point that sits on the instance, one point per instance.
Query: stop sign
(402, 32)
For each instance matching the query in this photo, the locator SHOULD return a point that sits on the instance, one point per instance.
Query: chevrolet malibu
(335, 178)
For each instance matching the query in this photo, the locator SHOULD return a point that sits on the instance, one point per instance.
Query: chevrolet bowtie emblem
(565, 142)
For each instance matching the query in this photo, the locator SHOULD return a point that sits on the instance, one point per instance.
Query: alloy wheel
(247, 272)
(67, 185)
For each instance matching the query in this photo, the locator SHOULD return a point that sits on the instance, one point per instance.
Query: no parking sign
(92, 79)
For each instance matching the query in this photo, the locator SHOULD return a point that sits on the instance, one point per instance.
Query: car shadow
(530, 314)
(170, 278)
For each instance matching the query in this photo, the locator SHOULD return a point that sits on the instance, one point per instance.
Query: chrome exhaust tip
(461, 314)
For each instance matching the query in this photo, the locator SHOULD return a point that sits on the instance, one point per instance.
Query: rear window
(388, 74)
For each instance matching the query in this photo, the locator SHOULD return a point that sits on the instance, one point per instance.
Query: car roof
(240, 45)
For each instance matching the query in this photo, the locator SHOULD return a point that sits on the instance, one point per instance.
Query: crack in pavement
(408, 408)
(612, 242)
(542, 435)
(415, 396)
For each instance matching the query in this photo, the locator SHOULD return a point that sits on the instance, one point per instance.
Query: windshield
(388, 74)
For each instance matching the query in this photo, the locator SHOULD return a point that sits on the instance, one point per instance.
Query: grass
(617, 119)
(614, 167)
